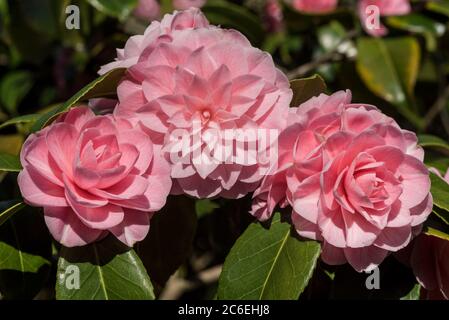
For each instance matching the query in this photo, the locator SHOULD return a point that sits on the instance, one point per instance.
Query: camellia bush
(263, 149)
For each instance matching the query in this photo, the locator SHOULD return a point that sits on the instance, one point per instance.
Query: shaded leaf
(204, 207)
(304, 89)
(230, 15)
(420, 24)
(413, 294)
(25, 255)
(120, 9)
(14, 86)
(436, 232)
(11, 144)
(104, 86)
(268, 264)
(29, 118)
(439, 6)
(108, 270)
(440, 192)
(9, 162)
(9, 208)
(430, 141)
(169, 242)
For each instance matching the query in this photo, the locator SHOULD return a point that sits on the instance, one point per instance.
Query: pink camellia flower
(430, 263)
(355, 180)
(148, 10)
(370, 12)
(94, 175)
(186, 4)
(156, 32)
(315, 6)
(199, 80)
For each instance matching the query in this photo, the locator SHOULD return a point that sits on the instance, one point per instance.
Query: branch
(330, 56)
(439, 105)
(177, 286)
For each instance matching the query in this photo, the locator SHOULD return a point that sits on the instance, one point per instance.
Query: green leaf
(26, 119)
(419, 24)
(9, 208)
(120, 9)
(108, 270)
(9, 163)
(268, 264)
(430, 231)
(304, 89)
(104, 86)
(41, 16)
(170, 240)
(230, 15)
(25, 254)
(11, 143)
(413, 294)
(14, 86)
(389, 68)
(204, 207)
(440, 192)
(430, 141)
(439, 6)
(442, 214)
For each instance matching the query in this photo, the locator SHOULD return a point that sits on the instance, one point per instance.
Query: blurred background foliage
(42, 64)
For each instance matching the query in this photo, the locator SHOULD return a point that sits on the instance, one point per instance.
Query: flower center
(206, 115)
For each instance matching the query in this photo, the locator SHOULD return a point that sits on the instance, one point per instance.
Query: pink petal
(365, 259)
(67, 229)
(134, 228)
(38, 191)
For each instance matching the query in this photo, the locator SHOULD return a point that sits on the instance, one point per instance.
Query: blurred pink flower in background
(148, 10)
(369, 8)
(156, 32)
(315, 6)
(203, 79)
(94, 175)
(186, 4)
(355, 180)
(273, 15)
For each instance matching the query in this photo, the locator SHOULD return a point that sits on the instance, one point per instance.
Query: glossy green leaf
(440, 192)
(9, 208)
(14, 86)
(26, 119)
(230, 15)
(9, 163)
(120, 9)
(104, 86)
(389, 68)
(25, 254)
(170, 241)
(439, 6)
(106, 270)
(268, 264)
(304, 89)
